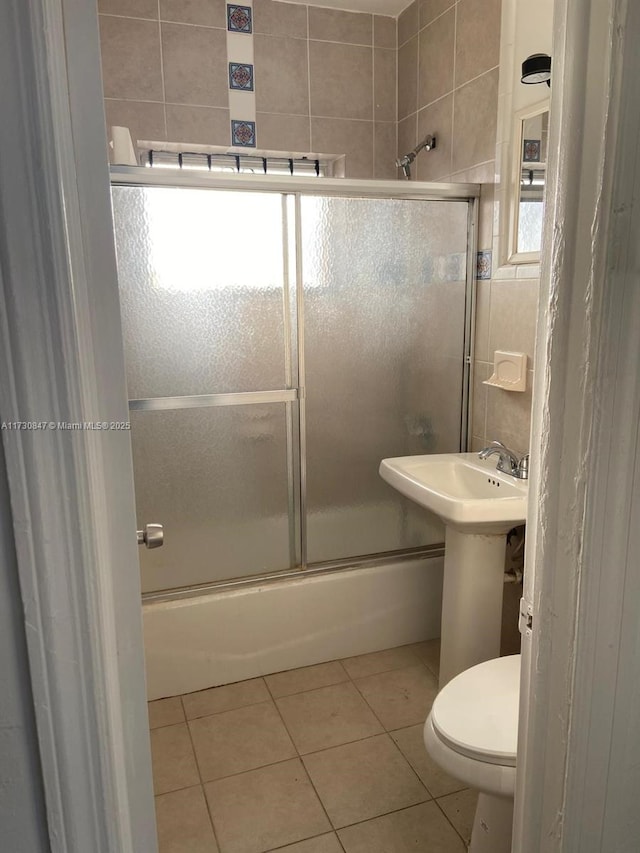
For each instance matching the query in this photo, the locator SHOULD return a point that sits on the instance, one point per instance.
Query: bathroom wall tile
(477, 38)
(321, 844)
(131, 67)
(281, 74)
(481, 371)
(385, 31)
(385, 145)
(474, 121)
(183, 823)
(361, 780)
(410, 742)
(400, 698)
(431, 9)
(435, 72)
(375, 662)
(460, 808)
(352, 138)
(239, 740)
(483, 264)
(408, 22)
(327, 717)
(483, 173)
(509, 416)
(483, 314)
(272, 17)
(421, 827)
(408, 78)
(477, 443)
(306, 678)
(201, 125)
(225, 698)
(239, 18)
(279, 132)
(486, 216)
(341, 68)
(243, 133)
(207, 13)
(336, 25)
(429, 653)
(144, 120)
(174, 764)
(384, 84)
(514, 315)
(435, 119)
(129, 8)
(165, 712)
(195, 65)
(265, 809)
(407, 134)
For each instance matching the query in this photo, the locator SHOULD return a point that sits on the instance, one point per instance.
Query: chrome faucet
(508, 463)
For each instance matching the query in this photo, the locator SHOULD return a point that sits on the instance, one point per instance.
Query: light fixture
(536, 69)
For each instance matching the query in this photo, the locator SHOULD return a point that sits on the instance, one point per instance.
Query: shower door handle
(152, 536)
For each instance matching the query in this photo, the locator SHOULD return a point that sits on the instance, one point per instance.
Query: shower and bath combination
(404, 163)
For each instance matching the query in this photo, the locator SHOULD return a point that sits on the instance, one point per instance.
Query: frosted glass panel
(201, 284)
(384, 290)
(216, 478)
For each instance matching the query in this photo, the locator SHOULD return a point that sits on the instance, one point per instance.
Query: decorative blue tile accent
(241, 76)
(531, 151)
(243, 133)
(239, 19)
(483, 266)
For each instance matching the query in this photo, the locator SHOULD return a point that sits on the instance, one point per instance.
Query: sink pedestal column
(471, 600)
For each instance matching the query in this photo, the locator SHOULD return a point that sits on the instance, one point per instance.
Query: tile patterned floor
(323, 759)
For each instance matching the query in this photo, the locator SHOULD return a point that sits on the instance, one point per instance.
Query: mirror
(533, 132)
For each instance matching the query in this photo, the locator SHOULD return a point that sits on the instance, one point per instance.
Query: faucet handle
(523, 468)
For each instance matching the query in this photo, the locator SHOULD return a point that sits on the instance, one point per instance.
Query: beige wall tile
(408, 22)
(384, 31)
(144, 120)
(202, 125)
(431, 9)
(361, 780)
(486, 216)
(174, 764)
(408, 78)
(129, 8)
(460, 808)
(370, 664)
(484, 173)
(225, 698)
(483, 314)
(306, 678)
(481, 371)
(407, 134)
(385, 144)
(286, 133)
(513, 321)
(410, 742)
(400, 698)
(509, 416)
(474, 121)
(195, 65)
(435, 72)
(272, 17)
(422, 827)
(336, 25)
(183, 823)
(436, 119)
(345, 69)
(477, 38)
(207, 13)
(240, 740)
(265, 809)
(384, 84)
(281, 75)
(131, 68)
(165, 712)
(352, 138)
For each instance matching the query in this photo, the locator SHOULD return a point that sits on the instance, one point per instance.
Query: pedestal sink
(478, 505)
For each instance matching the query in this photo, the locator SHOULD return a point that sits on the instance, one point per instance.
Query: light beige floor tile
(240, 740)
(327, 717)
(265, 809)
(174, 764)
(420, 829)
(306, 678)
(225, 698)
(460, 808)
(183, 823)
(375, 662)
(361, 780)
(410, 741)
(429, 654)
(165, 712)
(402, 697)
(321, 844)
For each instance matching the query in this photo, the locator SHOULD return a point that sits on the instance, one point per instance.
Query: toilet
(472, 733)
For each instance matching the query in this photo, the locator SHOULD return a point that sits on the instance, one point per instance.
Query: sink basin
(467, 493)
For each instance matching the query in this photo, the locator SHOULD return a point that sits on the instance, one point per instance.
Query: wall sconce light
(536, 69)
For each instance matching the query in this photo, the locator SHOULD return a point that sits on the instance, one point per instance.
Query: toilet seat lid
(476, 713)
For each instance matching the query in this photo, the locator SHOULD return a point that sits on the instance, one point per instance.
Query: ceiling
(377, 7)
